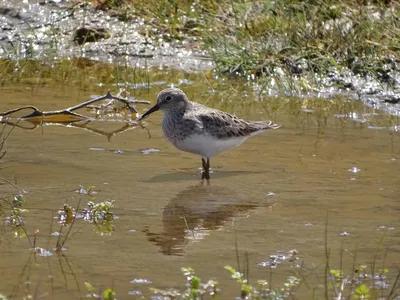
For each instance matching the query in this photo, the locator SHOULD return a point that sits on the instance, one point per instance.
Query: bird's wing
(225, 125)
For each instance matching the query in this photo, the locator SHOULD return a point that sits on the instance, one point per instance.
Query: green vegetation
(258, 38)
(289, 45)
(108, 294)
(195, 288)
(100, 215)
(261, 289)
(275, 40)
(359, 285)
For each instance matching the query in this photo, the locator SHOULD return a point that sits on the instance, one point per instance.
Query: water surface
(270, 194)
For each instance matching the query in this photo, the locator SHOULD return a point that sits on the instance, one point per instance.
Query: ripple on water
(141, 281)
(279, 257)
(41, 251)
(150, 151)
(394, 128)
(344, 233)
(376, 127)
(135, 293)
(360, 118)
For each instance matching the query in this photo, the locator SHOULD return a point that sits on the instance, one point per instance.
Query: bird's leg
(206, 169)
(204, 164)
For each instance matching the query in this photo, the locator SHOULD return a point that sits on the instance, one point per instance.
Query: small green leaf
(187, 271)
(362, 292)
(2, 297)
(109, 294)
(89, 287)
(230, 269)
(195, 283)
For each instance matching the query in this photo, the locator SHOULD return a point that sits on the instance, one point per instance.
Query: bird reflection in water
(194, 213)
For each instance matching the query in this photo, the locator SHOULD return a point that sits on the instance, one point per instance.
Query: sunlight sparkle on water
(354, 170)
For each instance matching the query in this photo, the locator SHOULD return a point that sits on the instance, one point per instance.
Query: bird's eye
(168, 98)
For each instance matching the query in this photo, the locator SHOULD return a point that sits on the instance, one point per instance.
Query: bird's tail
(265, 125)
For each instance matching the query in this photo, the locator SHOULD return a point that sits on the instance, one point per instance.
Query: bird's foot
(205, 174)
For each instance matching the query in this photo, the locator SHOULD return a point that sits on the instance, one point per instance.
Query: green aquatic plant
(363, 284)
(100, 215)
(67, 217)
(362, 281)
(16, 220)
(108, 294)
(246, 288)
(99, 211)
(261, 290)
(362, 292)
(90, 289)
(196, 289)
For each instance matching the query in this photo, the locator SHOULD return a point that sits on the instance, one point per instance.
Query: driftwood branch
(68, 115)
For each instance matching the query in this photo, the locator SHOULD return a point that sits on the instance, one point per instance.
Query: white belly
(206, 145)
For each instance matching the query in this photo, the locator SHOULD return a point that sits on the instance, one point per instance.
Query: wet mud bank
(53, 30)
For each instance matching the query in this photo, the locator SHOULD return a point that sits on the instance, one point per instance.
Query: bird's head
(168, 100)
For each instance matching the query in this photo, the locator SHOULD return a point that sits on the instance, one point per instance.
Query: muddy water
(271, 194)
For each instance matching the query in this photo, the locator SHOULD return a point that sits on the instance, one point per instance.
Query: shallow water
(271, 194)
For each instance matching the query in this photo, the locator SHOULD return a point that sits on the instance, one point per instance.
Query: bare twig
(12, 184)
(69, 112)
(4, 138)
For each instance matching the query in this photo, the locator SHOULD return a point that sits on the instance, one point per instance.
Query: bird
(198, 129)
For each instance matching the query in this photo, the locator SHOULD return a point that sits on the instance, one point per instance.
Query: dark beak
(150, 111)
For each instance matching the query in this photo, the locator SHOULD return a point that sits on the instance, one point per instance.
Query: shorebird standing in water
(198, 129)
